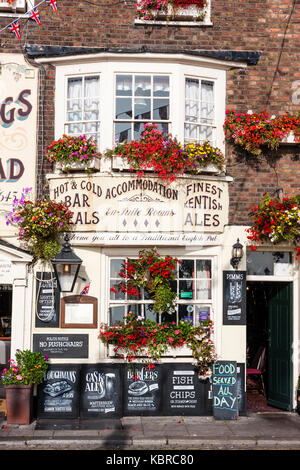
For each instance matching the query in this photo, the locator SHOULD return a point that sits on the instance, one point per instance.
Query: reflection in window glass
(140, 99)
(268, 263)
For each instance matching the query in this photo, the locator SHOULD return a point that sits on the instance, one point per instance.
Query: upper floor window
(17, 6)
(82, 107)
(199, 122)
(140, 99)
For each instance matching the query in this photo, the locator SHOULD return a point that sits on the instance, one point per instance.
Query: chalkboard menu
(101, 391)
(234, 297)
(62, 346)
(142, 390)
(47, 301)
(58, 394)
(225, 391)
(183, 392)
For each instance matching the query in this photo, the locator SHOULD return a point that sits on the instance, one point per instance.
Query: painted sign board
(18, 126)
(234, 297)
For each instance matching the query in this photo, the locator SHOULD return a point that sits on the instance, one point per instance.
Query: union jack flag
(85, 290)
(52, 4)
(15, 28)
(34, 15)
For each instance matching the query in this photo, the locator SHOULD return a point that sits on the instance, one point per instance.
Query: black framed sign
(58, 394)
(142, 390)
(225, 390)
(183, 392)
(101, 391)
(47, 301)
(61, 346)
(234, 297)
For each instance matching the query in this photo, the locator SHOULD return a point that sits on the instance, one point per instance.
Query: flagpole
(20, 16)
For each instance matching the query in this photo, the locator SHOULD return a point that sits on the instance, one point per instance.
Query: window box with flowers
(74, 154)
(254, 132)
(173, 12)
(39, 223)
(165, 156)
(140, 340)
(276, 221)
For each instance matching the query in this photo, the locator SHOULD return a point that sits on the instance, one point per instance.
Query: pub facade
(107, 88)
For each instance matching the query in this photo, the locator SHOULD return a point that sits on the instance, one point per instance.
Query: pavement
(255, 431)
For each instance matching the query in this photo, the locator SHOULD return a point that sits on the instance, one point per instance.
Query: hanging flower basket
(147, 341)
(165, 156)
(276, 221)
(74, 154)
(252, 132)
(39, 223)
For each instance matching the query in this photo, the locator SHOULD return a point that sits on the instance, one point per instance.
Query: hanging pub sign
(143, 390)
(58, 394)
(47, 301)
(234, 297)
(225, 390)
(183, 392)
(59, 346)
(101, 391)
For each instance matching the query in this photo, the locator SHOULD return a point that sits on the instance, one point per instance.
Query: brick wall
(253, 25)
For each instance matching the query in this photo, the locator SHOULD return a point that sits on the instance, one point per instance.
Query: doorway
(269, 345)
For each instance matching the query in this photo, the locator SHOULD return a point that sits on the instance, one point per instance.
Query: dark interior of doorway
(257, 342)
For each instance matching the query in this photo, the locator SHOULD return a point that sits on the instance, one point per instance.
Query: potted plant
(74, 153)
(171, 9)
(276, 221)
(254, 131)
(40, 223)
(147, 341)
(24, 372)
(165, 156)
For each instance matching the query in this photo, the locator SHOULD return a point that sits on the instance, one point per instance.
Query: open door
(280, 310)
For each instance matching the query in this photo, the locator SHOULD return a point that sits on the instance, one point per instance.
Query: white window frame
(178, 67)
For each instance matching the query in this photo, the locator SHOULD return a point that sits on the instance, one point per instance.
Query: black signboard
(47, 301)
(183, 392)
(142, 390)
(101, 391)
(234, 297)
(58, 394)
(62, 346)
(225, 390)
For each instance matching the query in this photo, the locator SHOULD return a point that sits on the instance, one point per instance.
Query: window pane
(124, 85)
(161, 86)
(74, 129)
(136, 309)
(186, 289)
(202, 313)
(91, 86)
(203, 268)
(142, 108)
(192, 89)
(203, 290)
(160, 109)
(74, 88)
(91, 108)
(122, 131)
(116, 267)
(186, 313)
(142, 85)
(207, 91)
(186, 268)
(116, 314)
(168, 317)
(267, 263)
(150, 314)
(115, 293)
(123, 108)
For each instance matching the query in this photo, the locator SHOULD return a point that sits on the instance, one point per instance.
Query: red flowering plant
(151, 272)
(252, 131)
(146, 340)
(148, 9)
(39, 224)
(165, 155)
(276, 221)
